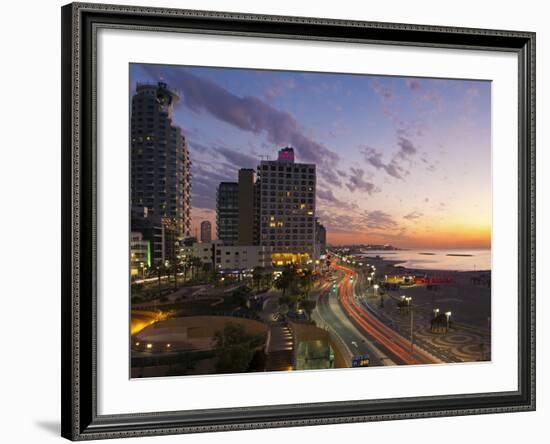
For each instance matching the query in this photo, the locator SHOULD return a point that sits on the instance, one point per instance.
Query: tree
(306, 282)
(308, 305)
(194, 263)
(234, 348)
(267, 279)
(239, 296)
(257, 276)
(175, 268)
(161, 269)
(286, 280)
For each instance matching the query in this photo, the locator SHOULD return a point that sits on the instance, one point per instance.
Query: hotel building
(287, 208)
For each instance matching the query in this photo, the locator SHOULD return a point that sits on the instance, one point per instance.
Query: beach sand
(469, 337)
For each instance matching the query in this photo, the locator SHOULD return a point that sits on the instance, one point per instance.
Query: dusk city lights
(287, 221)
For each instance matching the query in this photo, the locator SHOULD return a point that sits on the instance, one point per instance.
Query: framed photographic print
(279, 221)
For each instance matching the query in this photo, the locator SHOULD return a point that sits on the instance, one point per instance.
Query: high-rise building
(160, 163)
(287, 208)
(247, 225)
(206, 231)
(321, 237)
(227, 213)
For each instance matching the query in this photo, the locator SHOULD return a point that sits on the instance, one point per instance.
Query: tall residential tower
(227, 213)
(161, 167)
(206, 231)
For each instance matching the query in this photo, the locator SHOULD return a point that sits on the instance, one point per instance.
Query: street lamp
(409, 304)
(369, 279)
(376, 286)
(141, 265)
(448, 315)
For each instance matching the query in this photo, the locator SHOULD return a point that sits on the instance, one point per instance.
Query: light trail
(388, 338)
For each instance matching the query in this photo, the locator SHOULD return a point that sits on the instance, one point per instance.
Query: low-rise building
(140, 255)
(228, 258)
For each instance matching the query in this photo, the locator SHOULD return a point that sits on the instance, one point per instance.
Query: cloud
(413, 215)
(356, 182)
(337, 223)
(247, 113)
(378, 220)
(395, 167)
(239, 159)
(342, 173)
(413, 84)
(406, 148)
(380, 90)
(278, 88)
(205, 181)
(328, 197)
(374, 158)
(434, 101)
(472, 92)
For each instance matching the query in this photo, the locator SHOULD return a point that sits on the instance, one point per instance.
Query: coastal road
(387, 340)
(329, 315)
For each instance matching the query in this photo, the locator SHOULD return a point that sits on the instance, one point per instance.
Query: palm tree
(161, 269)
(195, 263)
(267, 279)
(286, 280)
(306, 282)
(257, 276)
(176, 268)
(308, 306)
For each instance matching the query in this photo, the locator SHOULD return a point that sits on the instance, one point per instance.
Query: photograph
(293, 220)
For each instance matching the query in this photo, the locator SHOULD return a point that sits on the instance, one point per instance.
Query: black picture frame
(80, 22)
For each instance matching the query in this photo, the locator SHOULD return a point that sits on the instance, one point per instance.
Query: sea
(437, 259)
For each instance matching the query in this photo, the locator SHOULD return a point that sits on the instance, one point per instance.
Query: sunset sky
(400, 160)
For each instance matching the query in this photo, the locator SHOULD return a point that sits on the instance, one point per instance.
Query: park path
(280, 348)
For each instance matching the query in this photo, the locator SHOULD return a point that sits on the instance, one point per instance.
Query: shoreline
(396, 265)
(468, 300)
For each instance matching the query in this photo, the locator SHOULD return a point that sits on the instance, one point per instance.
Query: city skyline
(380, 145)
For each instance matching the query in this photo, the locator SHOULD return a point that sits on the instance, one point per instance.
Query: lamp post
(376, 287)
(411, 314)
(448, 315)
(142, 266)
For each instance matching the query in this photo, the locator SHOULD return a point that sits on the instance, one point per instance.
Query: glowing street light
(448, 316)
(376, 287)
(411, 313)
